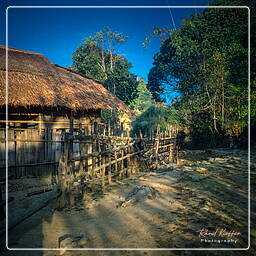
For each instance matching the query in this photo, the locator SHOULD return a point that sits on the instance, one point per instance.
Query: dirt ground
(206, 190)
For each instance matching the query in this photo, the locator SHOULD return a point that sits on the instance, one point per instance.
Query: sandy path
(206, 191)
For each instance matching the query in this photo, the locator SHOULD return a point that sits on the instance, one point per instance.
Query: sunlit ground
(205, 191)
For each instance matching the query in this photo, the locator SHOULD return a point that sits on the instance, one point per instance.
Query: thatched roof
(36, 83)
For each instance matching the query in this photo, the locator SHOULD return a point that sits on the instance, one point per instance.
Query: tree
(206, 60)
(97, 59)
(107, 40)
(143, 101)
(121, 82)
(87, 60)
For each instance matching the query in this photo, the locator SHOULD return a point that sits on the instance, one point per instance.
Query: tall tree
(108, 40)
(97, 59)
(121, 82)
(207, 61)
(87, 60)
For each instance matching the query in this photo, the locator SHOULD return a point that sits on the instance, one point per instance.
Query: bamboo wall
(35, 150)
(31, 152)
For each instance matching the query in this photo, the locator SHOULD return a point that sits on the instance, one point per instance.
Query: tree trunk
(103, 60)
(223, 103)
(214, 115)
(111, 60)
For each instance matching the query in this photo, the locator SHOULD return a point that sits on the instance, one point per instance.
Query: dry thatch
(36, 83)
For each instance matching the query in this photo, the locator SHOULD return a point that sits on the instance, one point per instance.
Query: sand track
(204, 191)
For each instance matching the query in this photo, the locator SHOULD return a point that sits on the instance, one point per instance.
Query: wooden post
(103, 170)
(104, 130)
(82, 152)
(156, 147)
(122, 130)
(129, 161)
(66, 170)
(115, 156)
(63, 174)
(99, 149)
(89, 151)
(121, 165)
(71, 132)
(170, 155)
(177, 153)
(70, 169)
(42, 146)
(156, 150)
(93, 173)
(40, 125)
(133, 166)
(109, 167)
(109, 129)
(96, 128)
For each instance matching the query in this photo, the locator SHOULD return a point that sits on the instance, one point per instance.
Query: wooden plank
(57, 138)
(30, 140)
(165, 146)
(102, 137)
(119, 159)
(34, 207)
(39, 151)
(37, 192)
(28, 155)
(156, 148)
(81, 162)
(31, 165)
(11, 149)
(109, 166)
(17, 153)
(96, 154)
(51, 153)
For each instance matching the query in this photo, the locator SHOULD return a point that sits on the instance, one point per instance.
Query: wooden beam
(34, 207)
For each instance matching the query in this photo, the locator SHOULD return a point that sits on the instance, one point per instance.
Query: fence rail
(36, 152)
(103, 158)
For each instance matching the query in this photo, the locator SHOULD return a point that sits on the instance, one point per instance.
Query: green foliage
(96, 59)
(83, 58)
(161, 33)
(149, 120)
(159, 74)
(110, 117)
(121, 82)
(143, 101)
(161, 116)
(206, 60)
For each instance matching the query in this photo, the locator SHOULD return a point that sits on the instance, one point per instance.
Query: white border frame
(129, 249)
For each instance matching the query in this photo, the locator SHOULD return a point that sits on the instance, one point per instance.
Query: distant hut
(42, 99)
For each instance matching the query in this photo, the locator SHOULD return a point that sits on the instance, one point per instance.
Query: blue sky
(56, 33)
